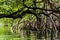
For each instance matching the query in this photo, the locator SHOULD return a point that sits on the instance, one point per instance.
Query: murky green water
(31, 35)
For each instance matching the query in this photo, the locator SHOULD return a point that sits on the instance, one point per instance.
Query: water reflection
(32, 35)
(38, 35)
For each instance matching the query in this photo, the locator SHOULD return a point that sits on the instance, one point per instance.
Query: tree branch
(42, 9)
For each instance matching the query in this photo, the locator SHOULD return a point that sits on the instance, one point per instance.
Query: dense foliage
(30, 14)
